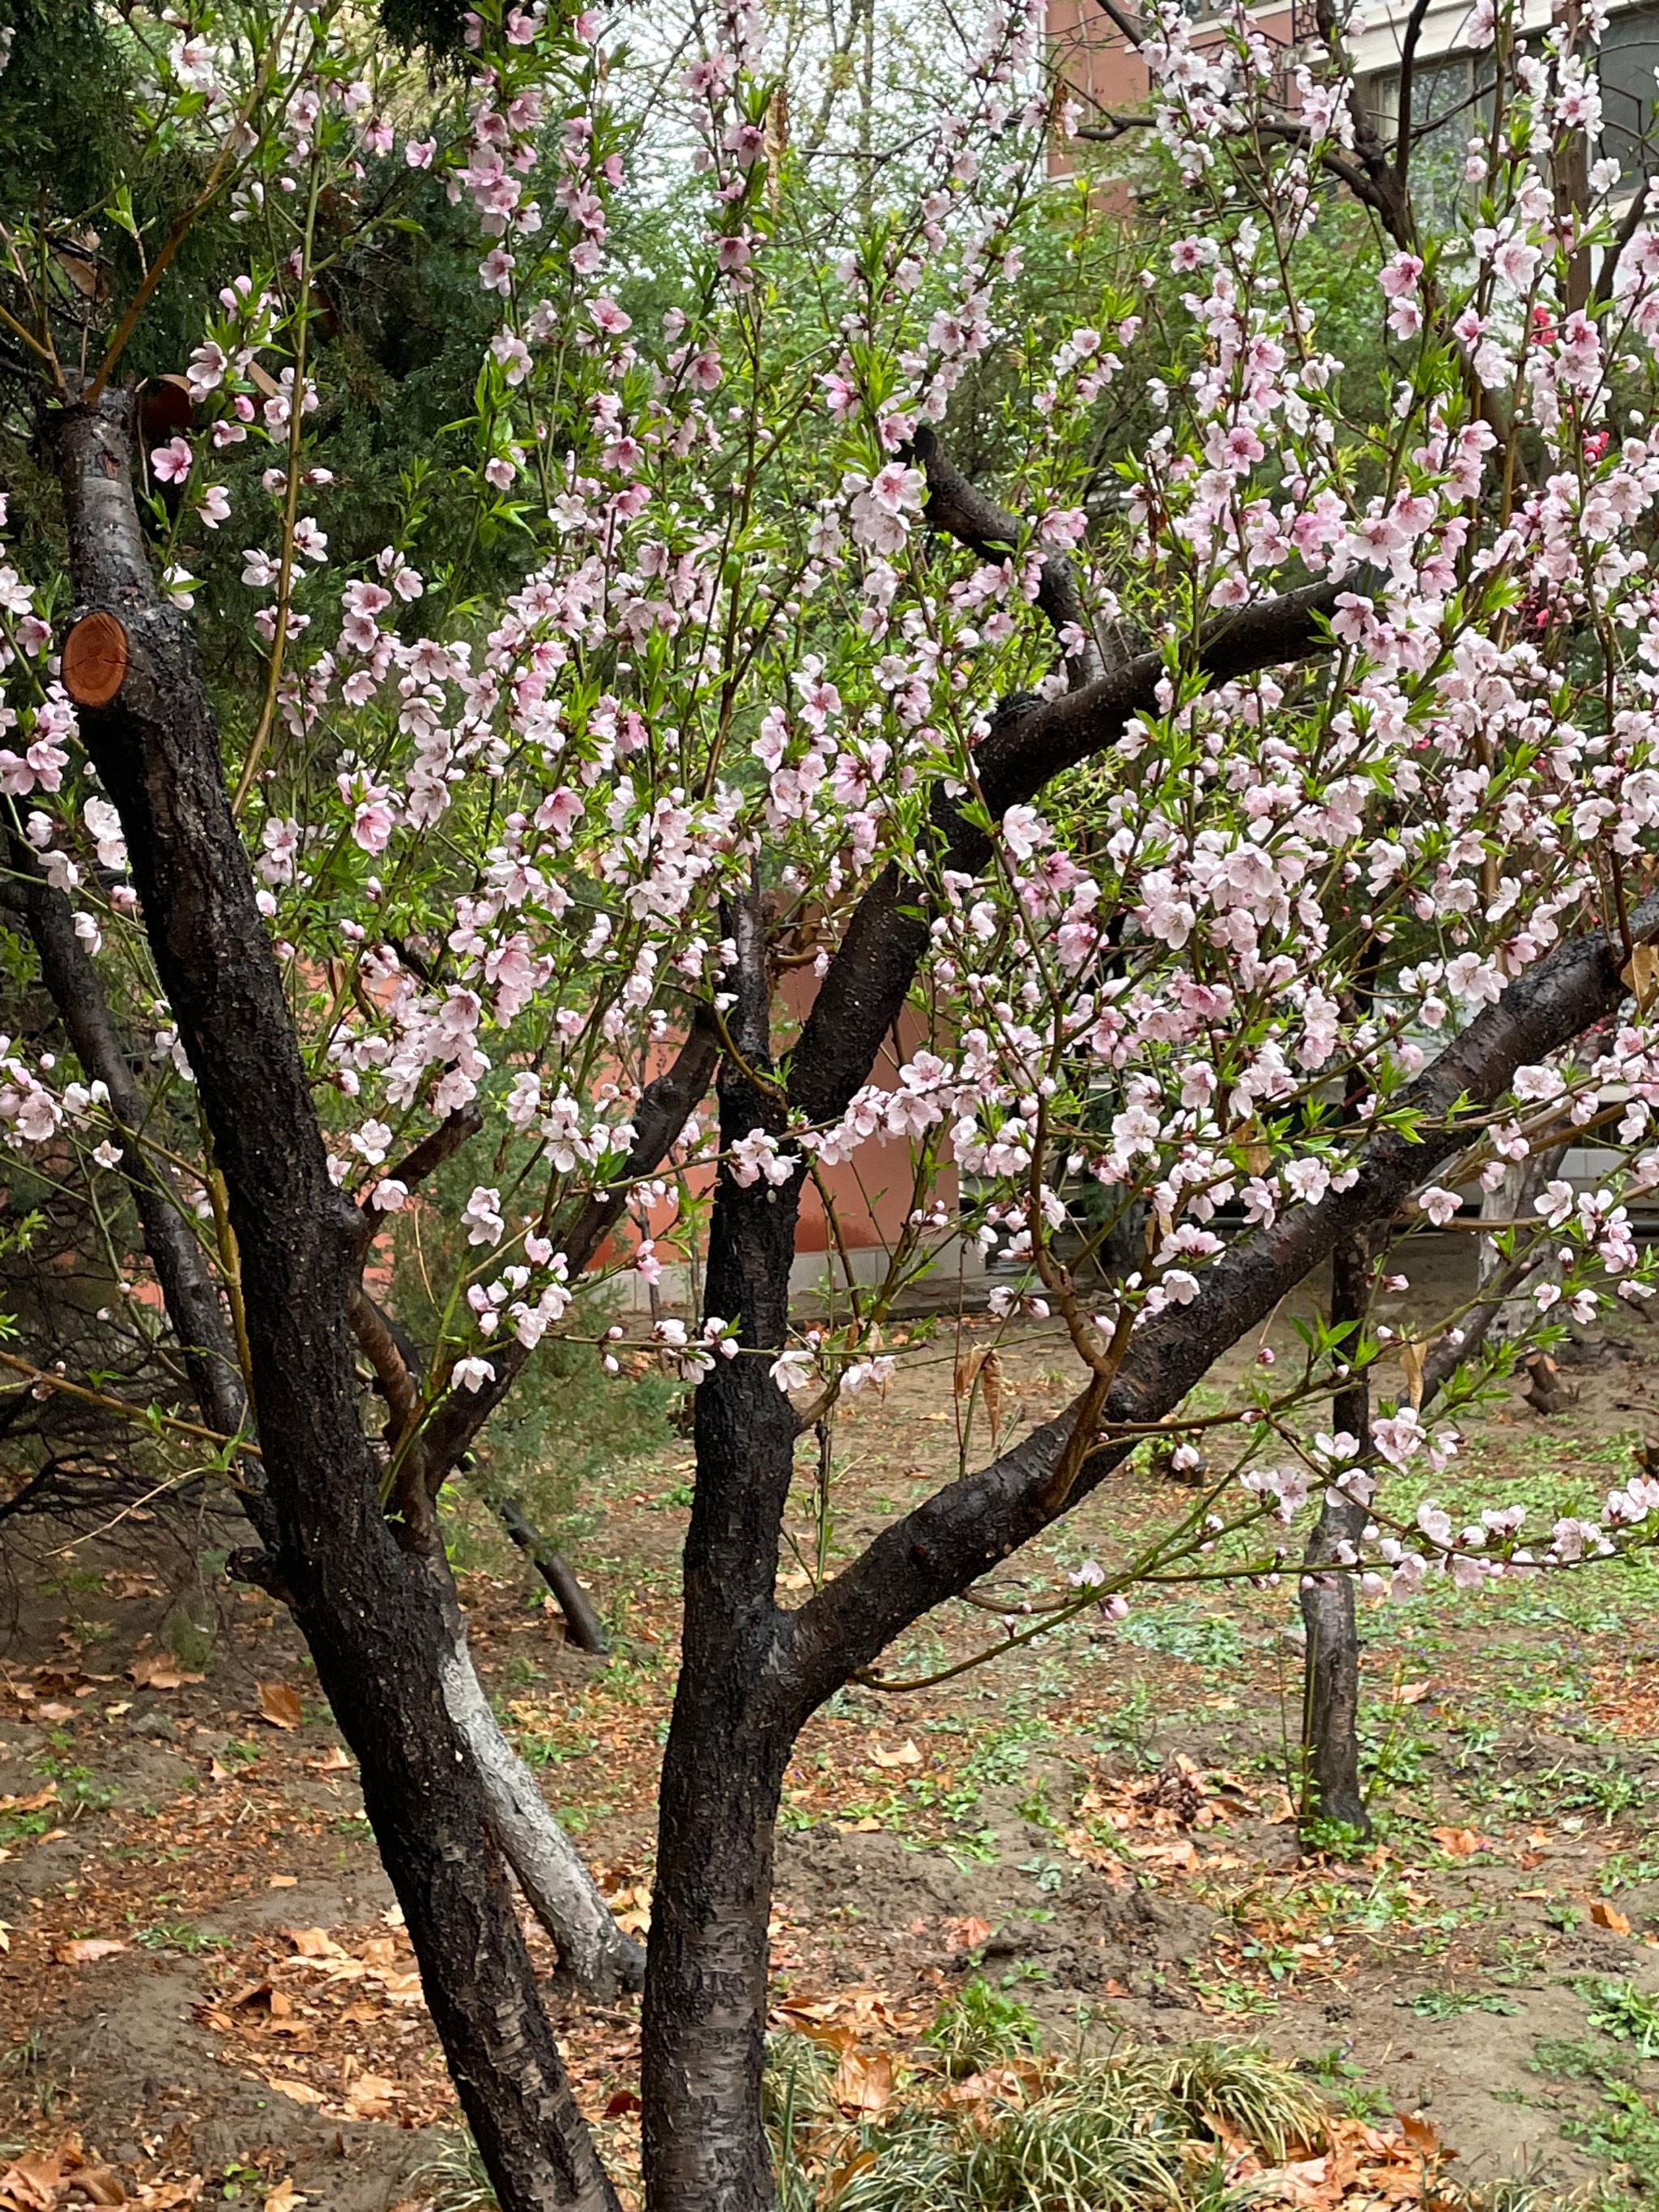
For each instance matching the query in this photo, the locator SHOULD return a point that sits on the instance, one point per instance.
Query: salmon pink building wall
(871, 1195)
(1105, 74)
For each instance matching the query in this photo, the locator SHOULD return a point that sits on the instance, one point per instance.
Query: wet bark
(372, 1619)
(704, 2042)
(1330, 1705)
(751, 1676)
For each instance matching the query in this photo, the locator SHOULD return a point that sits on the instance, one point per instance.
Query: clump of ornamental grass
(1137, 2131)
(453, 2178)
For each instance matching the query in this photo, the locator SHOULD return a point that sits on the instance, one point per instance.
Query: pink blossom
(170, 463)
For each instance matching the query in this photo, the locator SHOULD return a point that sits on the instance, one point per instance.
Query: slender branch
(1635, 215)
(948, 1542)
(1123, 24)
(665, 1106)
(1402, 144)
(422, 1160)
(141, 1417)
(582, 1624)
(394, 1374)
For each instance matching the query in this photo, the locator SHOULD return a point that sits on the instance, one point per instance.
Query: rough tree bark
(705, 1990)
(369, 1611)
(1330, 1708)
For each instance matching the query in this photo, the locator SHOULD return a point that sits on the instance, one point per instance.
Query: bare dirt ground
(206, 1996)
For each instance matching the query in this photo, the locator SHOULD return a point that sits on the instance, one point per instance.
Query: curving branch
(958, 507)
(665, 1106)
(424, 1159)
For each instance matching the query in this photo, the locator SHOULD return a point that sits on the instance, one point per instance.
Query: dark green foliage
(65, 107)
(435, 27)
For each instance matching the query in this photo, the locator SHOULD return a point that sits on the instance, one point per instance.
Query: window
(1629, 56)
(1450, 104)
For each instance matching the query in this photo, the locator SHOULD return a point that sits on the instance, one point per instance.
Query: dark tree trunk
(705, 1985)
(582, 1624)
(369, 1612)
(188, 1289)
(1330, 1705)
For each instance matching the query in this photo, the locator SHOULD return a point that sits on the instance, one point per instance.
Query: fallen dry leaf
(283, 2197)
(301, 2092)
(1457, 1843)
(371, 2097)
(279, 1704)
(859, 2163)
(1609, 1916)
(1422, 2134)
(863, 2082)
(314, 1943)
(1412, 1356)
(31, 1804)
(334, 1760)
(85, 1949)
(31, 2185)
(156, 1671)
(284, 1882)
(994, 2085)
(906, 1755)
(99, 2186)
(1640, 974)
(967, 1935)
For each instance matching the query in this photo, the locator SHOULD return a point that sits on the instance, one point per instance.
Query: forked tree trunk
(1330, 1708)
(370, 1613)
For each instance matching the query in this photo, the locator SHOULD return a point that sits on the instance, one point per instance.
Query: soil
(1098, 1823)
